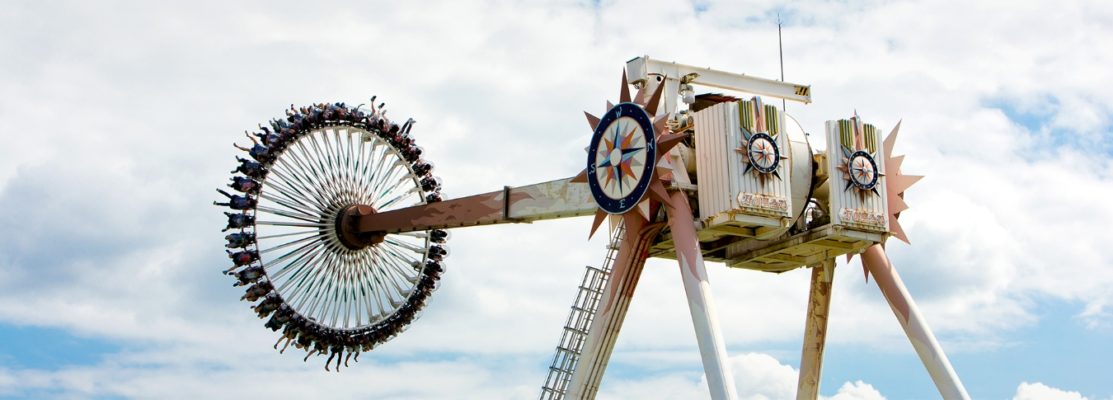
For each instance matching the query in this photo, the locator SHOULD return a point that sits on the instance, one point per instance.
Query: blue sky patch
(1032, 120)
(1059, 351)
(27, 347)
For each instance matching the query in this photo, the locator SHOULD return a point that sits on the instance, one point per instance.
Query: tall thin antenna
(781, 49)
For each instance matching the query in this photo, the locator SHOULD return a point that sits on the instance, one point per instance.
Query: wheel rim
(316, 274)
(325, 293)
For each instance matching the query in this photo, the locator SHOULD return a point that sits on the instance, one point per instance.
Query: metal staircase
(579, 321)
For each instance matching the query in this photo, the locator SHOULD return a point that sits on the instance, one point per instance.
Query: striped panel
(711, 158)
(849, 206)
(720, 170)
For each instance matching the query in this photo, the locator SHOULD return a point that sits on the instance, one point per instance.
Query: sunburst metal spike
(897, 231)
(666, 142)
(580, 177)
(892, 140)
(592, 120)
(600, 216)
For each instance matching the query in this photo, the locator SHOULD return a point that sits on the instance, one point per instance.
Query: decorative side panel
(857, 183)
(711, 164)
(760, 171)
(742, 164)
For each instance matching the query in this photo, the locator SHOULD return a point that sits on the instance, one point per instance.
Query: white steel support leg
(613, 304)
(719, 378)
(815, 330)
(946, 381)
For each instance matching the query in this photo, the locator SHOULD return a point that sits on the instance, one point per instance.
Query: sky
(117, 121)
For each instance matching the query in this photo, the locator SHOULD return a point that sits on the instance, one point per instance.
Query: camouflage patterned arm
(548, 200)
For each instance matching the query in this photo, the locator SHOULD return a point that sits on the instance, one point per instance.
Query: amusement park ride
(339, 227)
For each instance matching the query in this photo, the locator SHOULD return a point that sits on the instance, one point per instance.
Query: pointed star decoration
(627, 164)
(898, 183)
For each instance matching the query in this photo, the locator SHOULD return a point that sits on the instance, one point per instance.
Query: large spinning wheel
(328, 290)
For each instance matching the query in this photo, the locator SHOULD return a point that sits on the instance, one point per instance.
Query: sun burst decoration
(897, 183)
(627, 163)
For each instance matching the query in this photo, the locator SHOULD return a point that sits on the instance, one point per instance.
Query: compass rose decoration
(759, 150)
(626, 163)
(859, 167)
(620, 153)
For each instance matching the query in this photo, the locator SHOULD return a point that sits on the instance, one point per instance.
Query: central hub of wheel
(347, 228)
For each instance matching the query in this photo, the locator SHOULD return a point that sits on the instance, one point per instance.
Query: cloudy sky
(117, 120)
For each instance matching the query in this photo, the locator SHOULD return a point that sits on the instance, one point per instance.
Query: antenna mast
(781, 50)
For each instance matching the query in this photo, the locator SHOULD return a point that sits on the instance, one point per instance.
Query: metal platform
(784, 253)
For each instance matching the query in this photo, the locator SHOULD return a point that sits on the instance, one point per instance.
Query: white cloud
(1039, 391)
(761, 377)
(857, 390)
(757, 376)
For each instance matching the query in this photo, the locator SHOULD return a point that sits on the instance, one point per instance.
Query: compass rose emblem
(863, 171)
(859, 167)
(760, 154)
(763, 153)
(618, 170)
(627, 167)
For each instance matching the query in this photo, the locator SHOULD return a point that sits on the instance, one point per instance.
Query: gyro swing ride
(339, 227)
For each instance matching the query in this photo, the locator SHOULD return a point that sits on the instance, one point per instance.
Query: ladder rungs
(569, 328)
(592, 290)
(580, 317)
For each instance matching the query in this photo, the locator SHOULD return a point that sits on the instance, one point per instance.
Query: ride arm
(548, 200)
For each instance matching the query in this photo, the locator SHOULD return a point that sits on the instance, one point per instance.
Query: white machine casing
(738, 202)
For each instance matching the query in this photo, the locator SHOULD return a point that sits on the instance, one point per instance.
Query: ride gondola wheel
(327, 291)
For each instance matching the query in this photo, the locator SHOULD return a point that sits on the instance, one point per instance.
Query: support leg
(946, 381)
(702, 306)
(815, 330)
(615, 301)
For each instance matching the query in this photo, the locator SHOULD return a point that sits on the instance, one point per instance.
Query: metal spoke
(286, 204)
(275, 236)
(285, 245)
(309, 252)
(294, 215)
(300, 175)
(290, 188)
(298, 224)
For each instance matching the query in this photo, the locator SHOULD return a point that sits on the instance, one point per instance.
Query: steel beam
(915, 327)
(815, 330)
(547, 200)
(693, 272)
(642, 67)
